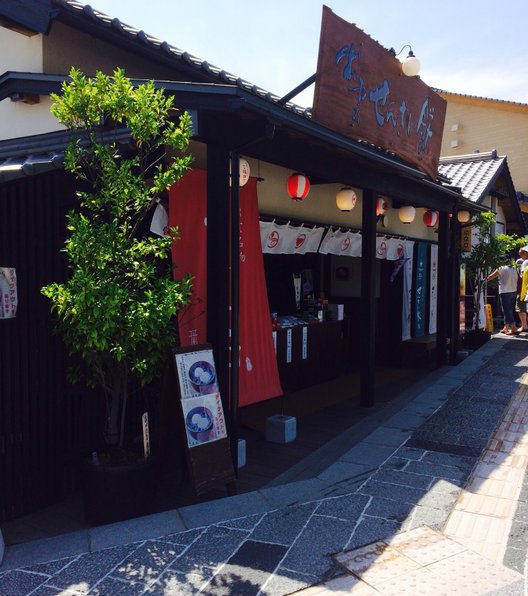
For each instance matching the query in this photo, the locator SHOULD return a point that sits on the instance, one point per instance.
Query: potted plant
(487, 253)
(116, 310)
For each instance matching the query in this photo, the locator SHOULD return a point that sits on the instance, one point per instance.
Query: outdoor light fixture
(244, 172)
(431, 218)
(298, 187)
(463, 216)
(346, 199)
(406, 213)
(243, 167)
(411, 64)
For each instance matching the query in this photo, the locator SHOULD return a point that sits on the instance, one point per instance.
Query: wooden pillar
(443, 289)
(218, 259)
(454, 269)
(235, 308)
(367, 326)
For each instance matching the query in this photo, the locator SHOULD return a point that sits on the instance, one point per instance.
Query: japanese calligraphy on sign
(361, 92)
(8, 293)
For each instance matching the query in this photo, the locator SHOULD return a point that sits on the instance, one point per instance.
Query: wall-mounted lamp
(298, 187)
(243, 170)
(346, 199)
(411, 64)
(243, 167)
(406, 213)
(431, 218)
(463, 216)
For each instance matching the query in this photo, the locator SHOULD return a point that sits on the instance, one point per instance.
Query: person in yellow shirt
(521, 306)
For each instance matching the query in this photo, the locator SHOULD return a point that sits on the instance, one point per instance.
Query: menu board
(208, 452)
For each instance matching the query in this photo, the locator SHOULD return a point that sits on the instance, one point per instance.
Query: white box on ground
(241, 453)
(281, 429)
(337, 311)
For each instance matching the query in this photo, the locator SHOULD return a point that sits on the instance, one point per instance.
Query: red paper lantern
(298, 187)
(431, 218)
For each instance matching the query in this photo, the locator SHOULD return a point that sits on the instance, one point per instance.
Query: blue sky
(475, 47)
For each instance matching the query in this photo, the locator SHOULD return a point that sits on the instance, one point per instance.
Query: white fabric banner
(408, 253)
(331, 242)
(433, 288)
(346, 244)
(287, 239)
(395, 249)
(381, 247)
(307, 239)
(277, 239)
(160, 221)
(352, 245)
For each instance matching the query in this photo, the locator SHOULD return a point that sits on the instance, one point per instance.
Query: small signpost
(207, 445)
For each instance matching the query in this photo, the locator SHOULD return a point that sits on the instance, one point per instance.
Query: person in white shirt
(508, 277)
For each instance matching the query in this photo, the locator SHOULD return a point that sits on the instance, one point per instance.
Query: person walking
(521, 305)
(508, 277)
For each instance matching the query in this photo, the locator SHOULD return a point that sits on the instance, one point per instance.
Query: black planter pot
(115, 491)
(475, 338)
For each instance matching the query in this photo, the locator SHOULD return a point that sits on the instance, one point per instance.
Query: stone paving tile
(283, 526)
(86, 570)
(410, 453)
(348, 507)
(247, 570)
(434, 518)
(285, 581)
(370, 529)
(117, 587)
(243, 523)
(183, 538)
(212, 549)
(397, 492)
(403, 478)
(178, 584)
(367, 454)
(435, 470)
(389, 509)
(20, 582)
(147, 562)
(312, 552)
(344, 470)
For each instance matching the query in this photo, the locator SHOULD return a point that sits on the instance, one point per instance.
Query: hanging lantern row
(298, 187)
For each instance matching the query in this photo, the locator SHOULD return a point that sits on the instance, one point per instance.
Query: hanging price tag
(289, 346)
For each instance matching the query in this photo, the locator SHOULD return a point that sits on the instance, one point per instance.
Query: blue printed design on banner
(421, 283)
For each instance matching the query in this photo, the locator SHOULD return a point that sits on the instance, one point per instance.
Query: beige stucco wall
(21, 53)
(66, 47)
(486, 125)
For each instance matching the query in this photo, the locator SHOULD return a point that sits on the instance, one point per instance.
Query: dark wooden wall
(45, 424)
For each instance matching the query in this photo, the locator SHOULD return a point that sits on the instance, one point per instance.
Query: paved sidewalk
(408, 473)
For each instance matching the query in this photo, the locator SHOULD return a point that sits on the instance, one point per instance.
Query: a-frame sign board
(206, 441)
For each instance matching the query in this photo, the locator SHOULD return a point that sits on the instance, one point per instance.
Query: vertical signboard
(421, 287)
(207, 445)
(8, 293)
(433, 288)
(361, 92)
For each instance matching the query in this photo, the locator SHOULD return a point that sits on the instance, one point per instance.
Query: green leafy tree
(488, 253)
(116, 311)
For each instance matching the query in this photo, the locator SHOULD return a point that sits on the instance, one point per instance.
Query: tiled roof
(474, 174)
(203, 68)
(516, 103)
